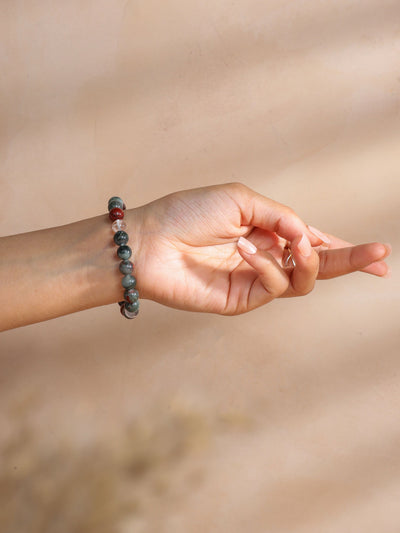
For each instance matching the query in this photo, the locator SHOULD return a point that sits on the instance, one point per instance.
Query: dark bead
(125, 267)
(116, 213)
(124, 252)
(128, 314)
(121, 237)
(132, 306)
(115, 201)
(131, 295)
(128, 282)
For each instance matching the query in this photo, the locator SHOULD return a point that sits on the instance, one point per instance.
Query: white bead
(118, 225)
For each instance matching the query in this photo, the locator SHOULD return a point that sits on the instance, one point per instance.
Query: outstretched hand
(188, 255)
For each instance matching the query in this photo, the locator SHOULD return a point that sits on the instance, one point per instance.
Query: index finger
(260, 211)
(339, 261)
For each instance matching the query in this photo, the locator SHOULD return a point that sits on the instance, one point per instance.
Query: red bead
(116, 213)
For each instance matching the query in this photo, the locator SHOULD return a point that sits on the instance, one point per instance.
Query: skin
(185, 256)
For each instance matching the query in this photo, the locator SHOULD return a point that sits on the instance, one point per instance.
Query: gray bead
(132, 307)
(125, 267)
(121, 237)
(114, 204)
(115, 201)
(128, 314)
(128, 281)
(124, 252)
(131, 295)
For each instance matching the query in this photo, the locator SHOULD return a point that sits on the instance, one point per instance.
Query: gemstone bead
(129, 307)
(116, 213)
(128, 314)
(125, 267)
(121, 237)
(132, 306)
(115, 201)
(118, 225)
(131, 295)
(114, 204)
(128, 281)
(124, 252)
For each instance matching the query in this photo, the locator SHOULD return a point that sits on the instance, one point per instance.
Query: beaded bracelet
(129, 307)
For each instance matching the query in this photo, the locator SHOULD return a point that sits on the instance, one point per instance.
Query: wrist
(64, 269)
(102, 263)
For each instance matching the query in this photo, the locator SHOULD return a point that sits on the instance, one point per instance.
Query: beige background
(287, 417)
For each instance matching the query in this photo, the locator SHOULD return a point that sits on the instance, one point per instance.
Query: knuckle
(303, 291)
(278, 289)
(283, 288)
(287, 212)
(287, 216)
(290, 212)
(353, 259)
(323, 258)
(308, 290)
(236, 184)
(236, 187)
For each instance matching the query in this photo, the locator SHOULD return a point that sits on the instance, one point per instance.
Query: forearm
(57, 271)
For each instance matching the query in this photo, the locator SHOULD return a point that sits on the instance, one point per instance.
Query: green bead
(121, 237)
(128, 281)
(115, 201)
(132, 307)
(125, 267)
(131, 295)
(124, 252)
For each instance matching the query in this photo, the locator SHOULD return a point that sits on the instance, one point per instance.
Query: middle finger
(304, 274)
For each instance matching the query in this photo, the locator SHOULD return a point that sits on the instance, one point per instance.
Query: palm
(190, 254)
(190, 250)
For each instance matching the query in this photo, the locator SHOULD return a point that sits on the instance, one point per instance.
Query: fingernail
(304, 246)
(246, 245)
(388, 273)
(388, 247)
(319, 234)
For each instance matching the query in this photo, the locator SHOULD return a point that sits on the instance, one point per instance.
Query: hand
(187, 255)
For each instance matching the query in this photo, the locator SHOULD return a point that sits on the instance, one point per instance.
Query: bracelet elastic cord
(129, 306)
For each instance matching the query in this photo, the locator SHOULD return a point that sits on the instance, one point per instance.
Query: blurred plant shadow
(97, 486)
